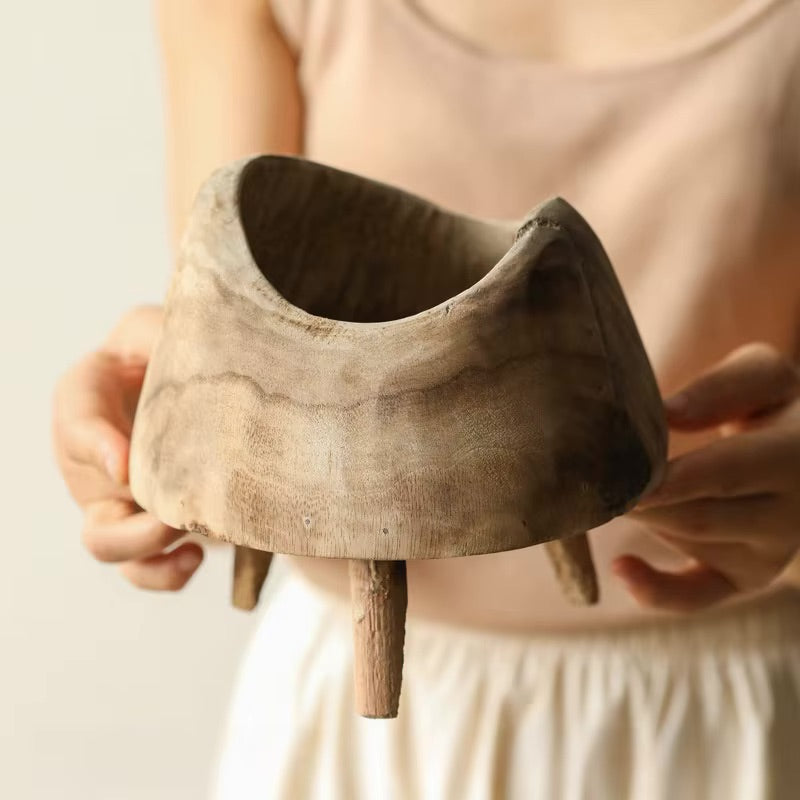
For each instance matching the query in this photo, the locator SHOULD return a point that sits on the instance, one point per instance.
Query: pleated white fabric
(703, 708)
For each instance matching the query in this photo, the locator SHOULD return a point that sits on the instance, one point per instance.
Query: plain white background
(105, 692)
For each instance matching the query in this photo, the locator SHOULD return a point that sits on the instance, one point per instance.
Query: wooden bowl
(346, 370)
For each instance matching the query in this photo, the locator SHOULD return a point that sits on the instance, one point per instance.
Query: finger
(97, 443)
(97, 386)
(692, 589)
(746, 565)
(715, 520)
(752, 380)
(166, 572)
(135, 335)
(755, 462)
(115, 532)
(92, 412)
(749, 541)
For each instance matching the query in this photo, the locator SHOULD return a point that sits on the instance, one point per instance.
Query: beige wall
(105, 692)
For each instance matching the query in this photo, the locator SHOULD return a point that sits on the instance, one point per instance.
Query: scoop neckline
(695, 45)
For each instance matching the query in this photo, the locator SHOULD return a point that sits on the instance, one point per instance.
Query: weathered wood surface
(250, 570)
(346, 370)
(379, 596)
(572, 561)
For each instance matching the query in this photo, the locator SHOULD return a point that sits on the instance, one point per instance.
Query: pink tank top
(687, 165)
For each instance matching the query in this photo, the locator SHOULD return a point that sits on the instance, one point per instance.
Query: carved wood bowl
(346, 370)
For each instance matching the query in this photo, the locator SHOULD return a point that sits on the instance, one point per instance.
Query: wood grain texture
(572, 561)
(346, 370)
(250, 570)
(379, 597)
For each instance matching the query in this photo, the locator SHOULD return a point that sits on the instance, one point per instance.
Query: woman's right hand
(93, 410)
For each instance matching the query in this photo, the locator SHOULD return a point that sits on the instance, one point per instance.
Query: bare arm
(231, 90)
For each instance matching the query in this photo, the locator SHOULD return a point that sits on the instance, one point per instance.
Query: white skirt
(702, 708)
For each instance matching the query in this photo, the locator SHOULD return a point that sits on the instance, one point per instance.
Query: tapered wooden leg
(379, 596)
(572, 561)
(250, 568)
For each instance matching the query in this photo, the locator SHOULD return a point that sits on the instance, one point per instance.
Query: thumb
(96, 442)
(752, 380)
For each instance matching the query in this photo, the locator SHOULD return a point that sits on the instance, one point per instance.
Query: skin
(253, 72)
(732, 505)
(93, 411)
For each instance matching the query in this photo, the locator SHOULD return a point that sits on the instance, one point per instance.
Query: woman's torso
(686, 162)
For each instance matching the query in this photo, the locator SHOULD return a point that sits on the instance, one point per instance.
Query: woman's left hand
(733, 506)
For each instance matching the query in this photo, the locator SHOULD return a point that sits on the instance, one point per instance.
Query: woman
(675, 129)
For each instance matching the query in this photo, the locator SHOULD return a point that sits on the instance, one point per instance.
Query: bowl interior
(347, 248)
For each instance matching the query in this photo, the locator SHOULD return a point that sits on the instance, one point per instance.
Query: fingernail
(618, 567)
(110, 461)
(677, 404)
(188, 560)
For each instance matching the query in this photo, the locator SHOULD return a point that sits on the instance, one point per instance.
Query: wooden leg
(572, 561)
(379, 597)
(250, 568)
